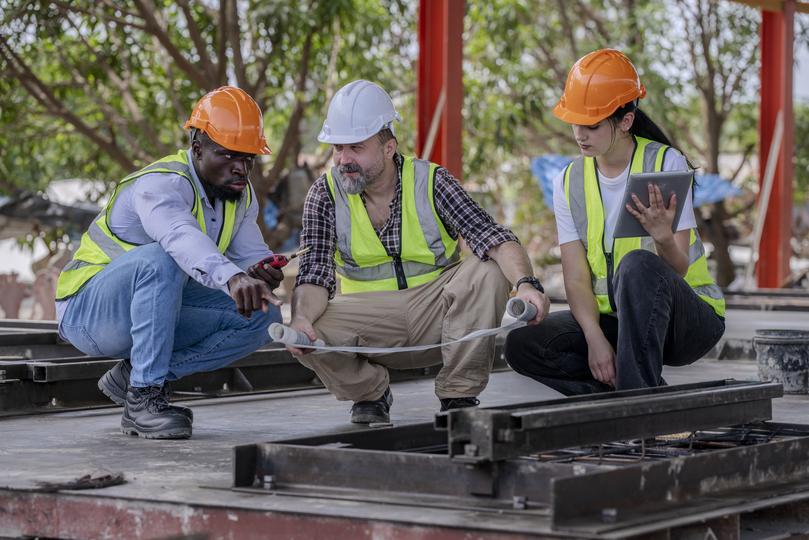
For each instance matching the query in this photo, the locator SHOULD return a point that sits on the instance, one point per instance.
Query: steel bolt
(609, 515)
(2, 373)
(519, 502)
(269, 481)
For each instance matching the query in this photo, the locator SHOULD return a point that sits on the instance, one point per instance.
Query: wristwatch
(532, 280)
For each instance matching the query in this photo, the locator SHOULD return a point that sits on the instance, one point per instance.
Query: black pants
(660, 321)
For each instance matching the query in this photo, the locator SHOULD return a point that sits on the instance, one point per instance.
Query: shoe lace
(156, 398)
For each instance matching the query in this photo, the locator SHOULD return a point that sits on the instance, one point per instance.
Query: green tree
(95, 89)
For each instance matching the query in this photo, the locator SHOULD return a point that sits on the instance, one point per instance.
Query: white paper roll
(289, 336)
(521, 310)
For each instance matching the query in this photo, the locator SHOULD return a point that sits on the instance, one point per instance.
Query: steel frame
(411, 466)
(479, 435)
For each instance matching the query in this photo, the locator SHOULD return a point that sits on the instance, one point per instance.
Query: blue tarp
(711, 188)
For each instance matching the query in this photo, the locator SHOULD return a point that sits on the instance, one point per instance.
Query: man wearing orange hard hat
(168, 275)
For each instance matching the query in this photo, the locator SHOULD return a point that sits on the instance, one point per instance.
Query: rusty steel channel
(41, 373)
(573, 471)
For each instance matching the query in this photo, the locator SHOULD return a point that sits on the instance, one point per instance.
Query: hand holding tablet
(637, 196)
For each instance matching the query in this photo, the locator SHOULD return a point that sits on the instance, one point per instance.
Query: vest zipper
(610, 292)
(401, 280)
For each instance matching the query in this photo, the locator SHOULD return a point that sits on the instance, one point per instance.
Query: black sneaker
(458, 403)
(115, 382)
(376, 411)
(147, 414)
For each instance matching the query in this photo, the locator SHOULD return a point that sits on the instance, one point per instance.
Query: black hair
(643, 126)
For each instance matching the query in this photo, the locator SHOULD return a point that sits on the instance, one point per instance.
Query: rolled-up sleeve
(317, 265)
(463, 216)
(164, 207)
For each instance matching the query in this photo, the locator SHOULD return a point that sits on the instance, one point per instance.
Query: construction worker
(168, 275)
(636, 304)
(389, 226)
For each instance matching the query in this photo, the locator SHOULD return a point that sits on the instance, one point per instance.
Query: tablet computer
(678, 182)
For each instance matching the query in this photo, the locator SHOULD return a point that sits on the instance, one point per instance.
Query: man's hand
(251, 294)
(266, 273)
(301, 325)
(527, 293)
(601, 359)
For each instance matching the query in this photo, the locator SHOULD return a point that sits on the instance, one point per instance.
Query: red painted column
(777, 36)
(440, 69)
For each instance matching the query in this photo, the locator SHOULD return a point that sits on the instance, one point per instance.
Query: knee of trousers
(487, 276)
(153, 258)
(637, 265)
(524, 348)
(256, 327)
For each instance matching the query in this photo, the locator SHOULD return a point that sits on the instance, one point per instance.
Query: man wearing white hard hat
(388, 227)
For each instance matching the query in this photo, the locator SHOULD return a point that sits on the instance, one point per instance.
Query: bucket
(783, 357)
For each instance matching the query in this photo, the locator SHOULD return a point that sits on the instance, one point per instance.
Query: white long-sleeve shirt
(157, 208)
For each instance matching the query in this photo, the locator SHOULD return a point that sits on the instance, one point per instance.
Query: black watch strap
(535, 283)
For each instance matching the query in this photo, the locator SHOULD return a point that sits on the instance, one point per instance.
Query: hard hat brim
(570, 117)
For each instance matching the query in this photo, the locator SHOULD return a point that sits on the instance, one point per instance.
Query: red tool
(276, 260)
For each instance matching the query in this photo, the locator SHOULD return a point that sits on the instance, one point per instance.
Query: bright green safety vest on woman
(584, 199)
(363, 265)
(99, 245)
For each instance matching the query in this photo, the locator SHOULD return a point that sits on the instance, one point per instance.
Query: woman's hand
(656, 218)
(601, 359)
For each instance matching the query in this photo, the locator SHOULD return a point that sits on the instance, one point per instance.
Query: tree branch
(196, 37)
(234, 38)
(154, 29)
(39, 91)
(293, 127)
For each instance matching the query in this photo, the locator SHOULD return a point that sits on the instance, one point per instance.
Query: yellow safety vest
(362, 263)
(99, 245)
(584, 199)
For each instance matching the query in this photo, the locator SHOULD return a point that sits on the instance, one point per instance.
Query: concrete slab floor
(64, 446)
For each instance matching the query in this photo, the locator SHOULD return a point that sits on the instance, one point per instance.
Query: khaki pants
(467, 296)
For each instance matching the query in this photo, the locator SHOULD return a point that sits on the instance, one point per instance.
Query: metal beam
(480, 435)
(777, 37)
(439, 97)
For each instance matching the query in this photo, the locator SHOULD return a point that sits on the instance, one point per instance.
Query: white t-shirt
(612, 193)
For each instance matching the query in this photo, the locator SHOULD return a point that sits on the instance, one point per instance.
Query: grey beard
(354, 186)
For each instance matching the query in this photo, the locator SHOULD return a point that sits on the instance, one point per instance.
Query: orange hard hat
(232, 119)
(597, 85)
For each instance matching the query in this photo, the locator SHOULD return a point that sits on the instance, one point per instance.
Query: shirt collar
(195, 178)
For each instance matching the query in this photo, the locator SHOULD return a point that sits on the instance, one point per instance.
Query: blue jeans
(142, 306)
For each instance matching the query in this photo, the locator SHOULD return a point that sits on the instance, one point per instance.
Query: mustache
(350, 168)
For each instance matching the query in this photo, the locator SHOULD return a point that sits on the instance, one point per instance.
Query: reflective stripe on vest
(99, 245)
(361, 261)
(584, 199)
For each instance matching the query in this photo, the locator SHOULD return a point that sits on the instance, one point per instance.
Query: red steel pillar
(777, 36)
(440, 71)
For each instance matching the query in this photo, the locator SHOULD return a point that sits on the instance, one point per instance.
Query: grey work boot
(115, 382)
(373, 411)
(147, 414)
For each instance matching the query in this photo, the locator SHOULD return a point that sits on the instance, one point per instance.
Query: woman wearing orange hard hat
(636, 303)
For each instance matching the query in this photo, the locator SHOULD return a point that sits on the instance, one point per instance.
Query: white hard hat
(358, 111)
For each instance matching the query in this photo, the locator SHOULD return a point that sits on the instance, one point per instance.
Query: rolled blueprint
(520, 309)
(289, 336)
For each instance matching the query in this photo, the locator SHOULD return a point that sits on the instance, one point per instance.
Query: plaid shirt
(458, 212)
